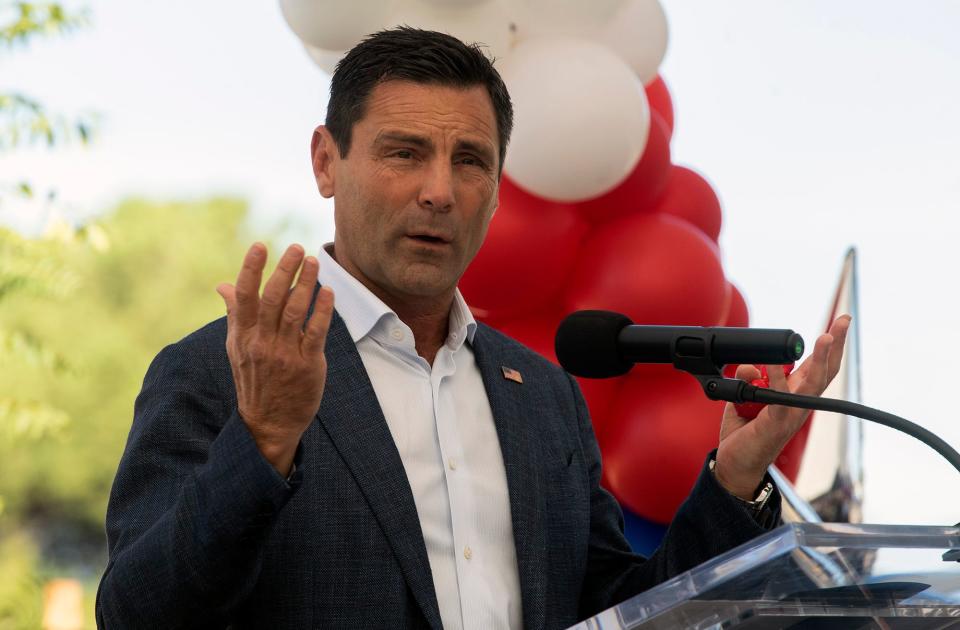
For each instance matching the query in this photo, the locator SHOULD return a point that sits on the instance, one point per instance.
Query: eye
(472, 160)
(403, 154)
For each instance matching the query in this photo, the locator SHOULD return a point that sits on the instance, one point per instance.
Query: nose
(437, 193)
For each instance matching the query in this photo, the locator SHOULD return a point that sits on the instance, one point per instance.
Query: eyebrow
(404, 138)
(423, 142)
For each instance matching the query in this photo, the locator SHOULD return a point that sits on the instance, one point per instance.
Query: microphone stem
(773, 397)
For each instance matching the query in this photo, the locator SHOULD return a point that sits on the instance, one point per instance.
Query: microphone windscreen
(587, 344)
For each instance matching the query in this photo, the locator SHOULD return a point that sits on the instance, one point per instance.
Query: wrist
(745, 487)
(280, 456)
(279, 449)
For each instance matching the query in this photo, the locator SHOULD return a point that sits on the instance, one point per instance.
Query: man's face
(415, 195)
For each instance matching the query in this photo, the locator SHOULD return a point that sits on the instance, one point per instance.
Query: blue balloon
(643, 535)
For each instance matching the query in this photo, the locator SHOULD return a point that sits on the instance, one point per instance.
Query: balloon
(538, 18)
(643, 535)
(333, 24)
(658, 96)
(536, 331)
(639, 191)
(659, 435)
(326, 60)
(690, 197)
(581, 118)
(638, 34)
(471, 21)
(456, 3)
(792, 454)
(600, 393)
(654, 268)
(527, 256)
(737, 314)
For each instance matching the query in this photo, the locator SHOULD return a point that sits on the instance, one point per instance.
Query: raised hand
(278, 363)
(748, 447)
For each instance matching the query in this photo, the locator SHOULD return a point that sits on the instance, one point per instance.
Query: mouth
(429, 239)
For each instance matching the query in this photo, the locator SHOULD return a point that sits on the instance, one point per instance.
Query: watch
(756, 506)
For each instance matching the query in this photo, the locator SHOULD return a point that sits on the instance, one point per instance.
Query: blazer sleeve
(709, 522)
(191, 505)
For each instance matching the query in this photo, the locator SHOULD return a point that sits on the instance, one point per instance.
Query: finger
(276, 290)
(315, 334)
(247, 290)
(814, 380)
(295, 312)
(777, 379)
(838, 331)
(747, 372)
(229, 295)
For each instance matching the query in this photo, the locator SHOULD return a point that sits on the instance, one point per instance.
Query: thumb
(229, 294)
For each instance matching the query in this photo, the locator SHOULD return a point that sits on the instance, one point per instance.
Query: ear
(324, 155)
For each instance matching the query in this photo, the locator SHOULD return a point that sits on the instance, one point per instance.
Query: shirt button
(455, 336)
(452, 463)
(397, 334)
(467, 553)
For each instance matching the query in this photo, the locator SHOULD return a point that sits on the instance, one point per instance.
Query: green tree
(154, 284)
(30, 266)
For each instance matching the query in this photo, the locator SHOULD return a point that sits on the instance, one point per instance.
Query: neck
(428, 317)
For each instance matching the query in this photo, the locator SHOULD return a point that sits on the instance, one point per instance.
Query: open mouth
(426, 238)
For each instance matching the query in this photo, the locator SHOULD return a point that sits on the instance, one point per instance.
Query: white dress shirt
(442, 425)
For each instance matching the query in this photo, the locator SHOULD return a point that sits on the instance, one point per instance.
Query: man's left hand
(748, 447)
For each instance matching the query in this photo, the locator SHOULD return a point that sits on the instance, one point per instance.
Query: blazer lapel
(524, 478)
(352, 418)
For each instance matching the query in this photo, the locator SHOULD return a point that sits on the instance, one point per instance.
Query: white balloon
(325, 59)
(535, 18)
(335, 24)
(581, 118)
(486, 23)
(456, 3)
(638, 33)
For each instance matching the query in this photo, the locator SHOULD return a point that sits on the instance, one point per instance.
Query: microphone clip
(692, 354)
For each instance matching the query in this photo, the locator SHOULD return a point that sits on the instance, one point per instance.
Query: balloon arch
(593, 214)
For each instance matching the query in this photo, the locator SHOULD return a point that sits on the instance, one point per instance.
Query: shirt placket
(459, 493)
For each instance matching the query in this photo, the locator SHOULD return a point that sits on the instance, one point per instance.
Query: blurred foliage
(104, 300)
(20, 21)
(25, 120)
(21, 589)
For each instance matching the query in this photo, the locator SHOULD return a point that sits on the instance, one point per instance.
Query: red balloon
(529, 250)
(656, 269)
(736, 314)
(659, 434)
(640, 190)
(660, 101)
(689, 196)
(600, 394)
(792, 454)
(536, 331)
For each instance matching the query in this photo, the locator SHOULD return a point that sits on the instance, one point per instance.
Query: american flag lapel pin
(511, 374)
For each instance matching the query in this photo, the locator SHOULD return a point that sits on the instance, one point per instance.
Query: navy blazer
(204, 533)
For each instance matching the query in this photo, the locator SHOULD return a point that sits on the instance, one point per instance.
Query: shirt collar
(362, 311)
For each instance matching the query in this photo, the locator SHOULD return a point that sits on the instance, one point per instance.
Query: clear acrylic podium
(810, 575)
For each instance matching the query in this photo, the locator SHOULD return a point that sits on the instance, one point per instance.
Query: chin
(426, 281)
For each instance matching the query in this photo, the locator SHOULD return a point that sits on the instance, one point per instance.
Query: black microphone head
(587, 344)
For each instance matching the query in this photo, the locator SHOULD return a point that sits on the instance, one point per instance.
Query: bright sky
(820, 124)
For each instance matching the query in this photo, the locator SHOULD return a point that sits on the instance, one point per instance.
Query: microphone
(602, 344)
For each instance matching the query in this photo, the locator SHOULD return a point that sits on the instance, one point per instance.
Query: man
(392, 463)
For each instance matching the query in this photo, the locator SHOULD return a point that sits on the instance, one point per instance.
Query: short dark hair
(411, 54)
